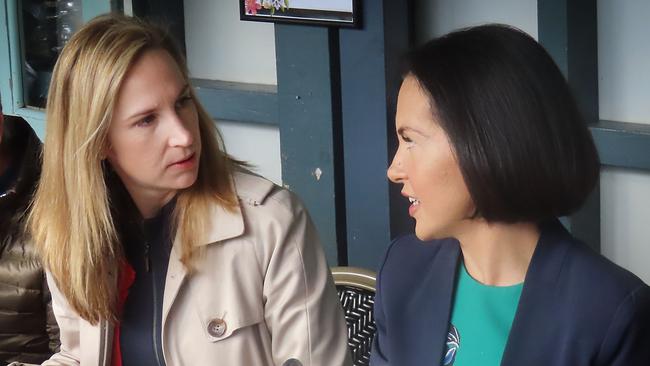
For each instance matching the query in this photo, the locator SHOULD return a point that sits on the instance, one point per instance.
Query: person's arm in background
(52, 329)
(51, 325)
(67, 326)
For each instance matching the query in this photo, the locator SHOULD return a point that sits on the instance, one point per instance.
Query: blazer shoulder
(587, 267)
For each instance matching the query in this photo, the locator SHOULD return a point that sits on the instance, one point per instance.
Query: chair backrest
(356, 290)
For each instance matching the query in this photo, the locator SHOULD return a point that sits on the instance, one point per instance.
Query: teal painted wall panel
(93, 8)
(5, 65)
(307, 127)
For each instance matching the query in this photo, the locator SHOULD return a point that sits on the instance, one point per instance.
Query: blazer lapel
(537, 304)
(432, 307)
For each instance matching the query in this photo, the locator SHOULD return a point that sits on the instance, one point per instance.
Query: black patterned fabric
(358, 305)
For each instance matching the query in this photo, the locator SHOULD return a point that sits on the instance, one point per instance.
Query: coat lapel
(176, 273)
(433, 302)
(537, 302)
(225, 224)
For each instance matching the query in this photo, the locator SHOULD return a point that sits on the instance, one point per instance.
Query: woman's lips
(413, 208)
(185, 163)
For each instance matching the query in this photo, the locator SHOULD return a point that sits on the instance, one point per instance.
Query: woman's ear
(106, 152)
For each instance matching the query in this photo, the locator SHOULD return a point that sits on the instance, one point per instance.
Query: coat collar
(537, 300)
(228, 223)
(437, 296)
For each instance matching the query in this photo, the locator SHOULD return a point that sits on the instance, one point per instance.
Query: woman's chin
(423, 234)
(429, 233)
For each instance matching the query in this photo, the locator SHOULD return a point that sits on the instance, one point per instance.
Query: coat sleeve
(301, 307)
(627, 342)
(68, 322)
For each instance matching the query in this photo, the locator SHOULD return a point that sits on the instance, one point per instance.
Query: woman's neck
(498, 254)
(149, 203)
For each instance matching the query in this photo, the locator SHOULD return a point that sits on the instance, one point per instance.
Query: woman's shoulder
(256, 190)
(609, 302)
(263, 201)
(580, 266)
(582, 279)
(594, 273)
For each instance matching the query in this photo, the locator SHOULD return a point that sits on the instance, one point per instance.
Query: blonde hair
(71, 220)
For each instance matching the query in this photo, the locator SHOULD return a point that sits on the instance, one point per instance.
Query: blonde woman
(160, 249)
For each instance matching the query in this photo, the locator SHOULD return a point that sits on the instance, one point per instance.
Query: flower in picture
(252, 6)
(275, 5)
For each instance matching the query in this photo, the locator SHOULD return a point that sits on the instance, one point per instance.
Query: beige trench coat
(262, 295)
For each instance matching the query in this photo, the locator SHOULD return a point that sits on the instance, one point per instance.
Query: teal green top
(481, 319)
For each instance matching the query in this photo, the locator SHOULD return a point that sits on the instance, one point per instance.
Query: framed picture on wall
(342, 13)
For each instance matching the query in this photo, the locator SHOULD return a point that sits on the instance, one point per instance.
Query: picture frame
(336, 13)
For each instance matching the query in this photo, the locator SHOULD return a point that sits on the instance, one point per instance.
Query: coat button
(217, 327)
(292, 362)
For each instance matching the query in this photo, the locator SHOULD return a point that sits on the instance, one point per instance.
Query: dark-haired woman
(492, 149)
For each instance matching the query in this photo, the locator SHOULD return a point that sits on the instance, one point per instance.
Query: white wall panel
(624, 95)
(256, 144)
(222, 47)
(437, 17)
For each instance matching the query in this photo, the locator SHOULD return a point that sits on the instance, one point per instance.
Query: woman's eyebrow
(401, 130)
(148, 110)
(141, 113)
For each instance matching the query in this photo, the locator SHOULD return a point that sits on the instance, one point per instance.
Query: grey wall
(624, 78)
(436, 17)
(221, 47)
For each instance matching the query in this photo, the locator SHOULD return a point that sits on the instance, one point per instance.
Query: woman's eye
(408, 142)
(146, 121)
(406, 139)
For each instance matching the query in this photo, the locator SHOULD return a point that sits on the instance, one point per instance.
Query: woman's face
(426, 166)
(154, 139)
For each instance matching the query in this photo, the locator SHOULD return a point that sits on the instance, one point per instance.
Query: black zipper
(147, 260)
(154, 293)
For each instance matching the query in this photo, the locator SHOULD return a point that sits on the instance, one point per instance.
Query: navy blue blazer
(576, 307)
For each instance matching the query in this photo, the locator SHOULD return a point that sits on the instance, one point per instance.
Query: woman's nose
(180, 133)
(395, 171)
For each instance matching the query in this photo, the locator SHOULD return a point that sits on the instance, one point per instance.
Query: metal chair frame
(356, 286)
